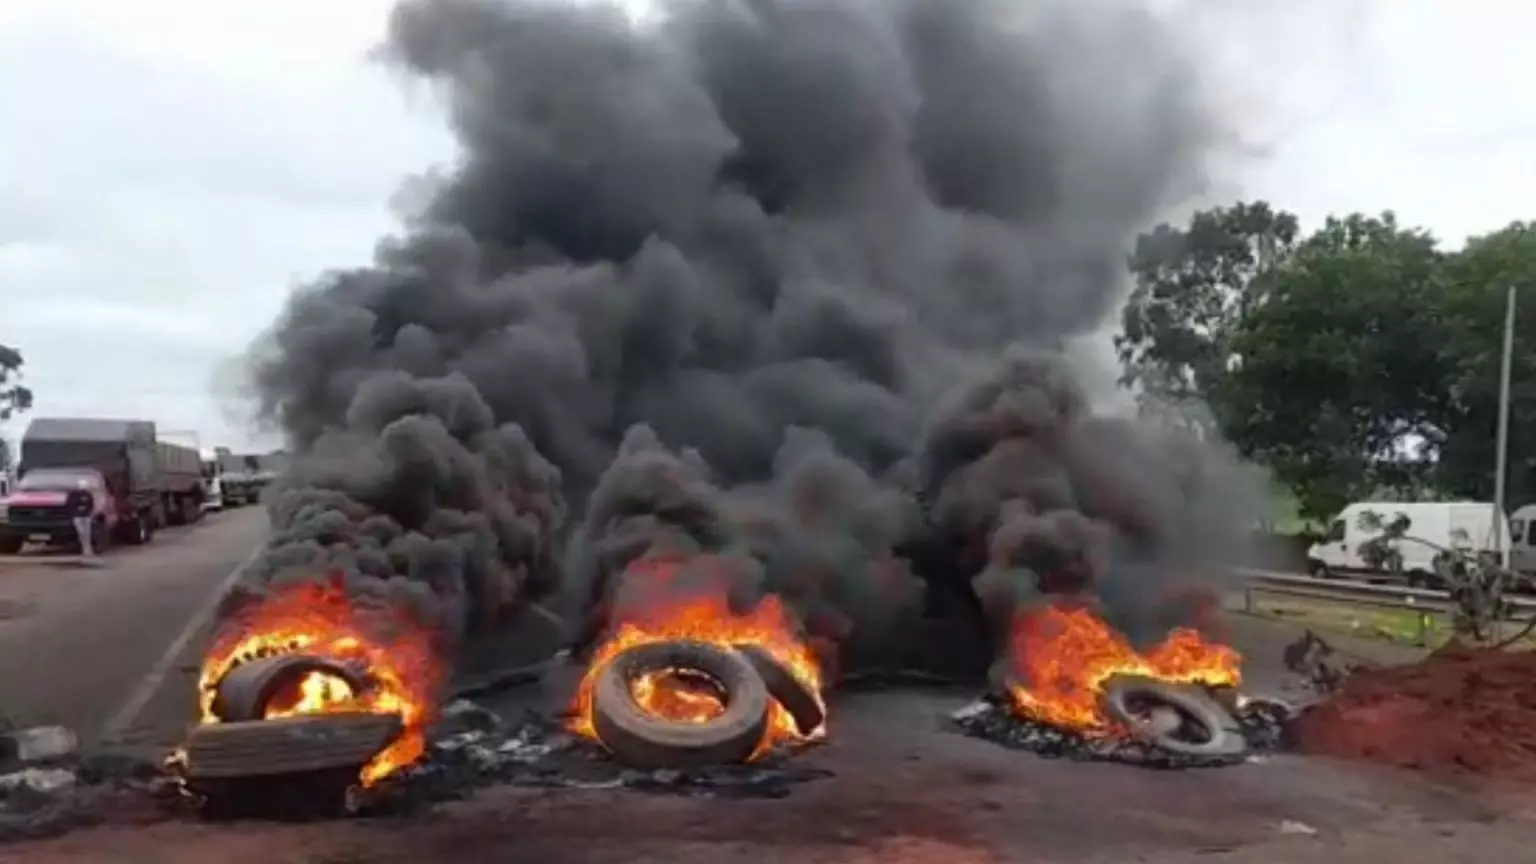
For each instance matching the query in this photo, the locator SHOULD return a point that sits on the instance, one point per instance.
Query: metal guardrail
(1426, 603)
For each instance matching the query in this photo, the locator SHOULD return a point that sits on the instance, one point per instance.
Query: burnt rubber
(642, 740)
(289, 745)
(798, 699)
(244, 691)
(1224, 736)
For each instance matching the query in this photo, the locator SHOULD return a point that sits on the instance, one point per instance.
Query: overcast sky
(170, 168)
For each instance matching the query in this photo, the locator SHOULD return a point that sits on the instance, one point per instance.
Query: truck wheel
(1319, 570)
(11, 545)
(101, 538)
(136, 532)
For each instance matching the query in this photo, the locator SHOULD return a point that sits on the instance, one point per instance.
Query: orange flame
(320, 620)
(1062, 656)
(701, 615)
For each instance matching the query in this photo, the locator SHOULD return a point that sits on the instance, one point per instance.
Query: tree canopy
(1357, 359)
(1193, 287)
(14, 398)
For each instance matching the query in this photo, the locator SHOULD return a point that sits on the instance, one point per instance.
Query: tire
(243, 693)
(101, 536)
(11, 545)
(1319, 570)
(137, 532)
(1420, 579)
(786, 689)
(1225, 737)
(642, 740)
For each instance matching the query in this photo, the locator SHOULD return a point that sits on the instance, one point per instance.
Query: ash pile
(475, 747)
(1145, 722)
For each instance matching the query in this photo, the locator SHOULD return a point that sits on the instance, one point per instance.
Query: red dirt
(1460, 710)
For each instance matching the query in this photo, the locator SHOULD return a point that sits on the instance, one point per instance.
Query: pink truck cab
(42, 505)
(129, 482)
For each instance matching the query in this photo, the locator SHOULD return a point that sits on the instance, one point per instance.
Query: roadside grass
(1397, 626)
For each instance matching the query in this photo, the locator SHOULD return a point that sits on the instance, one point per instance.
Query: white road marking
(125, 717)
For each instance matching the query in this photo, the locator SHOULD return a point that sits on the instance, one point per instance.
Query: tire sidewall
(642, 740)
(1226, 736)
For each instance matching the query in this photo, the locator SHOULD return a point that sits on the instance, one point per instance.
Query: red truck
(137, 484)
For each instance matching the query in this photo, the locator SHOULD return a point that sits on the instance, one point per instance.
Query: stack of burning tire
(690, 704)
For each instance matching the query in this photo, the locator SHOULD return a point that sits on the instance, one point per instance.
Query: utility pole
(1501, 460)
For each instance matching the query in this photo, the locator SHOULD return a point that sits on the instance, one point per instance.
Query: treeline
(14, 398)
(1360, 358)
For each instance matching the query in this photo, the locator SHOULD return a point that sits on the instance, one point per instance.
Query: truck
(245, 475)
(1469, 527)
(213, 482)
(137, 483)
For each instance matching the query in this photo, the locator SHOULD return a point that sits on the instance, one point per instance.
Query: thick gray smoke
(759, 243)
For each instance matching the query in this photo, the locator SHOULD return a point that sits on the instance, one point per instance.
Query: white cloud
(1429, 114)
(171, 168)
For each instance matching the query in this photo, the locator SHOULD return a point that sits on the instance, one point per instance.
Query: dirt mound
(1459, 710)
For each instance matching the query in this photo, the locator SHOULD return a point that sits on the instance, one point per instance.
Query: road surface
(87, 646)
(903, 792)
(84, 646)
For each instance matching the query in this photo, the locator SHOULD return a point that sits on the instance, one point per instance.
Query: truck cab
(213, 483)
(40, 509)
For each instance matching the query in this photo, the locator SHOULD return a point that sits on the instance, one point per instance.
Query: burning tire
(640, 738)
(246, 691)
(1202, 727)
(802, 704)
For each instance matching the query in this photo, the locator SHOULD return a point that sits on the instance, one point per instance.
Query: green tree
(1193, 287)
(1474, 307)
(1340, 379)
(14, 398)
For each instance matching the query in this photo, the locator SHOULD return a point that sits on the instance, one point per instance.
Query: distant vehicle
(1522, 544)
(213, 482)
(138, 484)
(1465, 526)
(39, 509)
(246, 475)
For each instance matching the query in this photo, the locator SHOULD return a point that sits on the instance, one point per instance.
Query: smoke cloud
(780, 283)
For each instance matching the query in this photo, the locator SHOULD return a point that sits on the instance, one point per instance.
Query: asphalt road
(91, 646)
(903, 791)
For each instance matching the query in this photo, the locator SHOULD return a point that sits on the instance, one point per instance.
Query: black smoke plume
(714, 278)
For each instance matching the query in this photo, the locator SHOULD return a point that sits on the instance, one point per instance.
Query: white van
(1466, 526)
(1522, 546)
